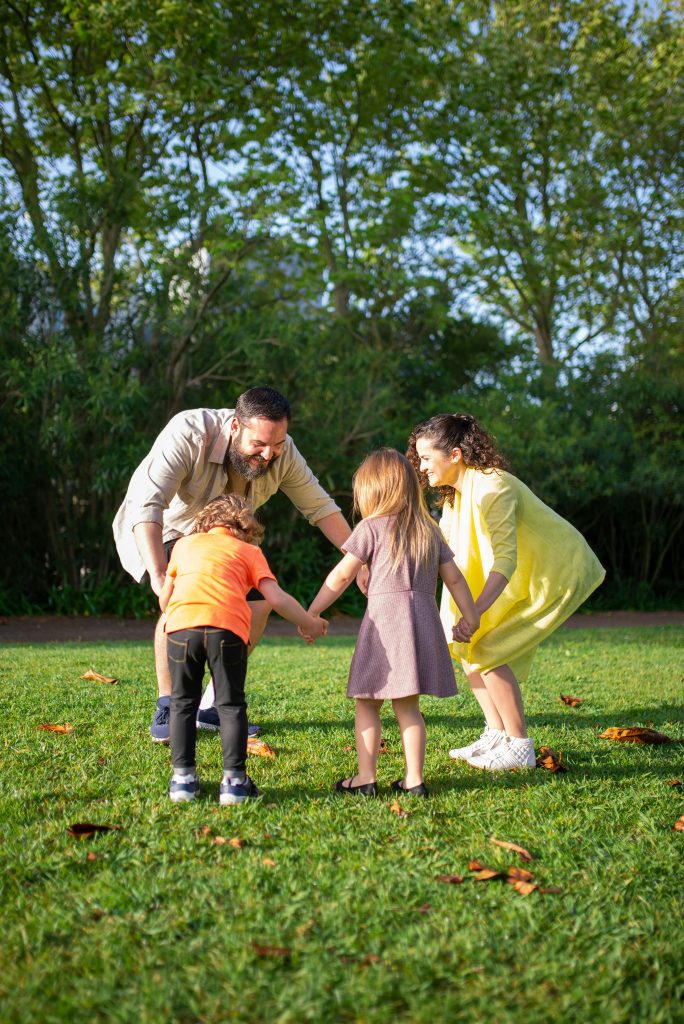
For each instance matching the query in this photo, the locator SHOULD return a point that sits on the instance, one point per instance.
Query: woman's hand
(462, 633)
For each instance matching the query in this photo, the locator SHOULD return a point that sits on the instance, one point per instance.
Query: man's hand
(157, 582)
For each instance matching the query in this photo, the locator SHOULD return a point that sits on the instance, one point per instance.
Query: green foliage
(159, 924)
(330, 197)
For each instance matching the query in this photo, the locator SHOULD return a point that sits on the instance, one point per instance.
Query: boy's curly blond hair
(235, 514)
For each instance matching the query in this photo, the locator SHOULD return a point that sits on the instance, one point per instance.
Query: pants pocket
(177, 650)
(233, 653)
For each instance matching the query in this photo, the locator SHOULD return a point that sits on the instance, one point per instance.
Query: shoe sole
(216, 728)
(513, 768)
(228, 800)
(159, 739)
(182, 798)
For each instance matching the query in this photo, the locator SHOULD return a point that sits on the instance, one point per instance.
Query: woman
(528, 568)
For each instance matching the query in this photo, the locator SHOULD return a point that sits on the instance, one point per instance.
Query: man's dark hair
(265, 402)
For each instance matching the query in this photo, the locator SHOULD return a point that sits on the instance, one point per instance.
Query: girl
(530, 569)
(207, 620)
(401, 651)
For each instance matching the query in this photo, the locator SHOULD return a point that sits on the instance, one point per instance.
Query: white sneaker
(514, 752)
(489, 739)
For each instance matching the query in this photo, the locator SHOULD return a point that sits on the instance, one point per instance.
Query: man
(200, 454)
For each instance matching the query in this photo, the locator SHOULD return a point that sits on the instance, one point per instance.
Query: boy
(207, 621)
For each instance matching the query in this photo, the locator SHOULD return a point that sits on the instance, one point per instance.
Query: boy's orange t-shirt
(213, 572)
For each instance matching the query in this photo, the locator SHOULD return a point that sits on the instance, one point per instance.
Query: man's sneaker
(208, 718)
(160, 730)
(184, 787)
(488, 739)
(234, 791)
(514, 752)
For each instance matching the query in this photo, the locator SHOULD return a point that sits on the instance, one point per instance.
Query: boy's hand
(318, 627)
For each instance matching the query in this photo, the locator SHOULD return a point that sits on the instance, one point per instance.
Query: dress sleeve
(361, 543)
(498, 509)
(445, 553)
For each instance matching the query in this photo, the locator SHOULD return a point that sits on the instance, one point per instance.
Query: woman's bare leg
(503, 691)
(485, 700)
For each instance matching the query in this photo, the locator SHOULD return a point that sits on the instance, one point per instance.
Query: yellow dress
(498, 525)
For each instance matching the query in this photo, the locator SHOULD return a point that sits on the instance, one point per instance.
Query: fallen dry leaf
(549, 889)
(679, 825)
(236, 842)
(52, 727)
(524, 888)
(218, 841)
(395, 808)
(98, 678)
(425, 909)
(635, 734)
(551, 759)
(84, 829)
(91, 856)
(572, 702)
(525, 854)
(384, 749)
(675, 782)
(258, 748)
(205, 830)
(520, 874)
(449, 879)
(268, 863)
(303, 929)
(482, 873)
(275, 951)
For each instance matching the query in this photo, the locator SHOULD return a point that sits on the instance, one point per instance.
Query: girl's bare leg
(367, 730)
(412, 728)
(502, 689)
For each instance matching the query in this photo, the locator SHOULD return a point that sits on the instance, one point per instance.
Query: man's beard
(249, 468)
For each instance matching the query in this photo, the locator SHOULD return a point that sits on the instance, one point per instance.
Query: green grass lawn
(156, 923)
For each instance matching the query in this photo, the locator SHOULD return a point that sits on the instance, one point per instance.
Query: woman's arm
(495, 584)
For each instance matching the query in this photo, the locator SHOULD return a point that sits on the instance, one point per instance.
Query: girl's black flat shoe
(366, 789)
(419, 790)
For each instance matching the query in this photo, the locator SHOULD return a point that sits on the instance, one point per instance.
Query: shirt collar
(220, 445)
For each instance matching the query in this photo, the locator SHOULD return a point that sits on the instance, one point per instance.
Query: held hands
(463, 631)
(318, 627)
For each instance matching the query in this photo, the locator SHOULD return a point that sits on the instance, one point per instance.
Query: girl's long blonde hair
(386, 484)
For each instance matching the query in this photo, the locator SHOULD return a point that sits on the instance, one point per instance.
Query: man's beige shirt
(184, 470)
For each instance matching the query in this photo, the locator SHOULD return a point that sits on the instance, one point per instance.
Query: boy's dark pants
(226, 654)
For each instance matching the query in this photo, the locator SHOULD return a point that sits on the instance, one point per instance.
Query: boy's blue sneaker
(184, 787)
(236, 792)
(208, 718)
(160, 730)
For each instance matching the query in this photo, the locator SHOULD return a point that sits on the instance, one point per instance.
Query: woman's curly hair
(447, 431)
(235, 514)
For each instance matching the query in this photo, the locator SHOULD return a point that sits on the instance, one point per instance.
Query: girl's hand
(318, 627)
(462, 633)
